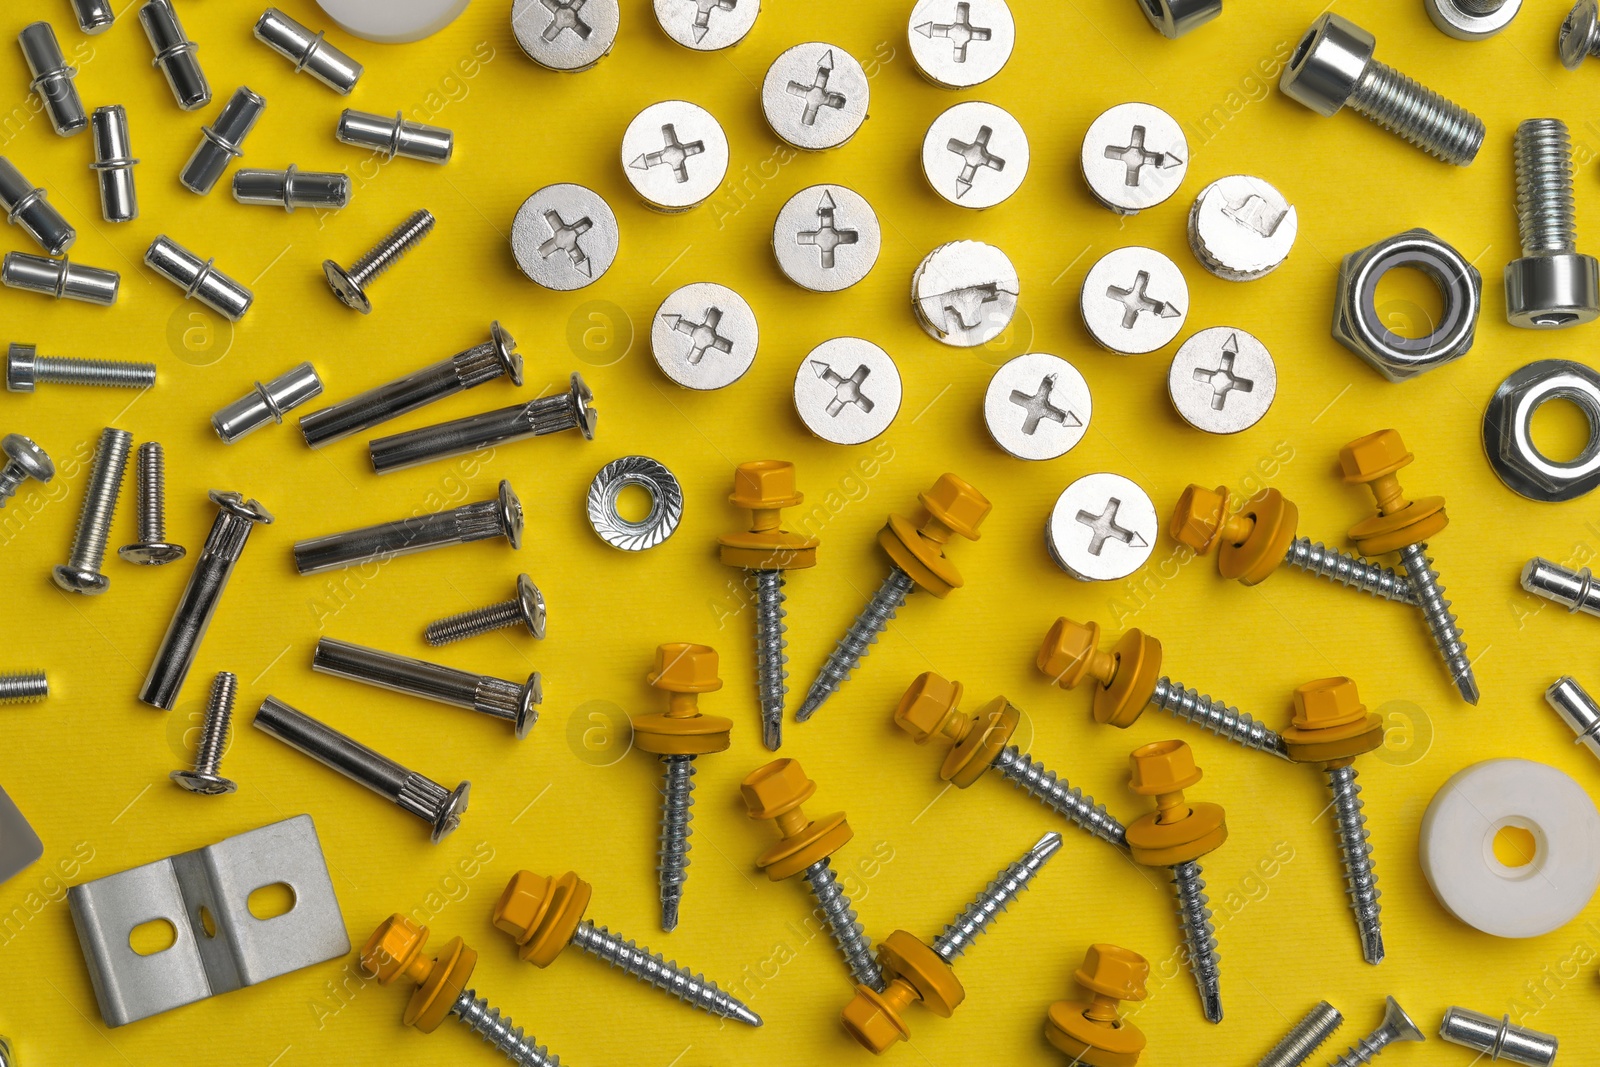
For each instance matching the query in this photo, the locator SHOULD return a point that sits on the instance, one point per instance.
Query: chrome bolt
(526, 609)
(1579, 37)
(152, 548)
(81, 573)
(25, 367)
(52, 78)
(222, 141)
(24, 687)
(350, 286)
(24, 460)
(500, 517)
(1498, 1038)
(1552, 285)
(213, 742)
(1305, 1037)
(1397, 1026)
(175, 54)
(570, 410)
(309, 51)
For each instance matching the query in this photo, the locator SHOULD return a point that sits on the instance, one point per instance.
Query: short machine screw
(776, 792)
(1579, 37)
(24, 460)
(678, 735)
(1128, 679)
(25, 368)
(1397, 1026)
(214, 729)
(1333, 66)
(500, 517)
(545, 915)
(1260, 538)
(81, 573)
(918, 972)
(916, 551)
(930, 709)
(1175, 836)
(24, 687)
(152, 548)
(1304, 1037)
(765, 551)
(1091, 1031)
(395, 949)
(350, 286)
(1552, 285)
(526, 609)
(1574, 590)
(1499, 1039)
(1405, 525)
(1331, 728)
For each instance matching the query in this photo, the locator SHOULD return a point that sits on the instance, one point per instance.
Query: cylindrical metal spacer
(267, 403)
(396, 136)
(308, 50)
(25, 205)
(113, 164)
(52, 78)
(221, 142)
(1498, 1038)
(292, 188)
(1573, 589)
(59, 278)
(198, 278)
(94, 16)
(175, 54)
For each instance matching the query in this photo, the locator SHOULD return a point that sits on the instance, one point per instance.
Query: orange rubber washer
(930, 708)
(1251, 545)
(766, 487)
(685, 671)
(1090, 1031)
(1177, 831)
(1374, 460)
(915, 972)
(1127, 674)
(542, 913)
(1331, 725)
(395, 949)
(950, 507)
(776, 792)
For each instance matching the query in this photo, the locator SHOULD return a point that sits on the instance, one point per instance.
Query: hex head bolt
(25, 368)
(775, 792)
(81, 572)
(236, 517)
(52, 78)
(526, 609)
(498, 698)
(1574, 590)
(308, 50)
(24, 460)
(222, 141)
(1304, 1037)
(25, 205)
(395, 950)
(1175, 836)
(113, 164)
(152, 549)
(94, 16)
(24, 687)
(204, 778)
(395, 137)
(1333, 66)
(1129, 679)
(1405, 526)
(500, 517)
(1552, 285)
(198, 278)
(1331, 728)
(174, 54)
(267, 403)
(1091, 1031)
(544, 915)
(930, 710)
(916, 552)
(764, 552)
(429, 801)
(292, 188)
(350, 286)
(1258, 537)
(570, 410)
(1498, 1038)
(60, 278)
(1397, 1026)
(918, 972)
(1577, 709)
(1579, 37)
(494, 359)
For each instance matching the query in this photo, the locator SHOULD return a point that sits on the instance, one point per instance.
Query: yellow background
(89, 767)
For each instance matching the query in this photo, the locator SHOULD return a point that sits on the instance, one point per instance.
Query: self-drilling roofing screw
(1574, 590)
(214, 729)
(919, 972)
(113, 164)
(1498, 1038)
(1553, 284)
(395, 949)
(776, 791)
(1090, 1030)
(24, 460)
(152, 548)
(516, 703)
(526, 609)
(678, 735)
(222, 141)
(1579, 36)
(930, 709)
(25, 367)
(1129, 679)
(1406, 525)
(916, 552)
(308, 50)
(1397, 1026)
(1260, 538)
(81, 572)
(500, 517)
(25, 205)
(429, 801)
(24, 687)
(569, 410)
(175, 54)
(544, 915)
(1304, 1037)
(765, 551)
(350, 286)
(52, 78)
(1331, 727)
(1175, 836)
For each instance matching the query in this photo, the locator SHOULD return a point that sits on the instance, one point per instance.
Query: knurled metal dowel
(308, 50)
(350, 286)
(152, 548)
(500, 517)
(535, 418)
(1574, 590)
(395, 137)
(174, 54)
(1498, 1039)
(52, 78)
(204, 777)
(857, 641)
(526, 609)
(24, 687)
(995, 898)
(1305, 1037)
(81, 573)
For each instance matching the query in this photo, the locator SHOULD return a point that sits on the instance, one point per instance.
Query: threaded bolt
(1354, 571)
(81, 573)
(1397, 1026)
(848, 934)
(1552, 285)
(1217, 717)
(350, 286)
(1059, 795)
(1441, 620)
(152, 549)
(1305, 1037)
(214, 730)
(526, 608)
(858, 640)
(772, 672)
(498, 1030)
(25, 368)
(24, 460)
(652, 969)
(1199, 937)
(24, 687)
(1005, 887)
(677, 798)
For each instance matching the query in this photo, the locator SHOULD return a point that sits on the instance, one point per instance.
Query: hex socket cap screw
(1551, 285)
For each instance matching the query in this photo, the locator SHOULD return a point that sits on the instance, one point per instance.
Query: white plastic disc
(393, 21)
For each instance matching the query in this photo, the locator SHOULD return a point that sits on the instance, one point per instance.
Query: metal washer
(707, 26)
(1134, 157)
(1222, 380)
(1134, 300)
(1103, 528)
(565, 35)
(815, 96)
(1037, 406)
(704, 336)
(675, 155)
(1241, 228)
(564, 237)
(965, 293)
(666, 503)
(847, 391)
(975, 155)
(826, 238)
(957, 44)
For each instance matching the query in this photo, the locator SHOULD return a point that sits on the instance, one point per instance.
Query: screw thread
(1399, 104)
(1199, 938)
(858, 640)
(1356, 850)
(1059, 796)
(1005, 887)
(1361, 574)
(11, 476)
(677, 797)
(65, 370)
(1366, 1049)
(100, 500)
(1208, 713)
(152, 472)
(1545, 220)
(1305, 1037)
(650, 968)
(400, 241)
(837, 912)
(1441, 620)
(497, 1030)
(772, 673)
(23, 687)
(215, 727)
(475, 622)
(1480, 7)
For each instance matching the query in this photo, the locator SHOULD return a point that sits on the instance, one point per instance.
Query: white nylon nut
(393, 21)
(1241, 228)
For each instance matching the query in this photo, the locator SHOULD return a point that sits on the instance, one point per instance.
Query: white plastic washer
(393, 21)
(1456, 847)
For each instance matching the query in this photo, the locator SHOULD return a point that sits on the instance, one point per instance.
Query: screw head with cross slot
(1222, 380)
(1103, 528)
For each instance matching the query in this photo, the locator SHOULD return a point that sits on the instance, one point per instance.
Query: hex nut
(1508, 436)
(1359, 327)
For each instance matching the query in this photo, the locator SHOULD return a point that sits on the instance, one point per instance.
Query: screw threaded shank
(1365, 1050)
(100, 500)
(23, 687)
(854, 945)
(1305, 1037)
(498, 1031)
(1057, 795)
(650, 968)
(1199, 937)
(858, 640)
(472, 623)
(152, 471)
(1445, 130)
(677, 797)
(1356, 850)
(1316, 558)
(65, 370)
(1441, 620)
(772, 673)
(218, 721)
(1228, 723)
(1005, 887)
(400, 241)
(1543, 152)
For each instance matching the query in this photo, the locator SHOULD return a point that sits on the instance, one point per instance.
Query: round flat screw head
(1037, 406)
(564, 237)
(1102, 528)
(206, 784)
(1134, 300)
(505, 350)
(29, 456)
(847, 391)
(450, 818)
(565, 35)
(965, 293)
(582, 397)
(527, 711)
(1222, 380)
(151, 553)
(1327, 64)
(531, 601)
(349, 293)
(975, 155)
(674, 154)
(704, 336)
(241, 506)
(826, 238)
(815, 96)
(957, 44)
(1578, 31)
(510, 514)
(1241, 228)
(89, 583)
(707, 25)
(1134, 156)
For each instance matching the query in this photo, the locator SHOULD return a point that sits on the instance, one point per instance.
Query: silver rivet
(707, 25)
(1037, 406)
(674, 154)
(565, 35)
(1134, 157)
(975, 155)
(815, 96)
(1241, 228)
(826, 238)
(564, 236)
(847, 391)
(957, 44)
(965, 293)
(1103, 528)
(1134, 300)
(704, 336)
(1222, 380)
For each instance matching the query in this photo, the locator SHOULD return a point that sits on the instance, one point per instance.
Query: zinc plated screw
(152, 548)
(1574, 590)
(81, 573)
(350, 286)
(1579, 37)
(25, 367)
(24, 687)
(24, 460)
(1397, 1026)
(1498, 1038)
(916, 551)
(1552, 285)
(204, 777)
(1305, 1037)
(526, 609)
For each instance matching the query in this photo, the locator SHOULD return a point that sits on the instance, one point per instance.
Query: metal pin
(536, 418)
(487, 695)
(52, 78)
(59, 278)
(94, 16)
(222, 140)
(1498, 1038)
(1577, 709)
(1574, 590)
(25, 206)
(310, 51)
(292, 188)
(500, 517)
(267, 403)
(25, 368)
(175, 54)
(396, 136)
(198, 278)
(113, 164)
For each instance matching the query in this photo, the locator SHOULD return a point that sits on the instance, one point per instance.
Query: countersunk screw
(351, 286)
(24, 687)
(1397, 1026)
(214, 729)
(1305, 1037)
(81, 573)
(1552, 285)
(24, 460)
(25, 367)
(1580, 34)
(1333, 66)
(152, 548)
(526, 608)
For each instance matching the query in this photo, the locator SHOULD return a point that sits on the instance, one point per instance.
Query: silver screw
(653, 969)
(1199, 936)
(25, 367)
(1355, 848)
(526, 608)
(857, 641)
(350, 285)
(214, 728)
(24, 460)
(24, 687)
(1577, 709)
(1305, 1037)
(152, 548)
(569, 410)
(1574, 590)
(81, 573)
(1579, 37)
(1441, 620)
(1498, 1038)
(1333, 66)
(498, 1030)
(500, 517)
(995, 898)
(1397, 1026)
(846, 930)
(1350, 570)
(1552, 285)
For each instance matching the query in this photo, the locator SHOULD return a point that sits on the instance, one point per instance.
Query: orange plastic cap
(1199, 517)
(1163, 767)
(1371, 457)
(931, 708)
(1115, 972)
(682, 667)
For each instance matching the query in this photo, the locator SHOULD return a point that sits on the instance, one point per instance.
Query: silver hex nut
(1359, 325)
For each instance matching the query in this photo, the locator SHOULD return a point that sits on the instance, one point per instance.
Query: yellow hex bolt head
(1127, 675)
(682, 667)
(1331, 724)
(928, 709)
(1375, 460)
(932, 707)
(1178, 831)
(542, 913)
(684, 670)
(395, 949)
(1162, 768)
(1090, 1031)
(916, 973)
(1201, 515)
(1250, 545)
(766, 487)
(776, 791)
(1366, 459)
(916, 546)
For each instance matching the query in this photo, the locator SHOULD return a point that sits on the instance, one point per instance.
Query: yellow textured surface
(89, 768)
